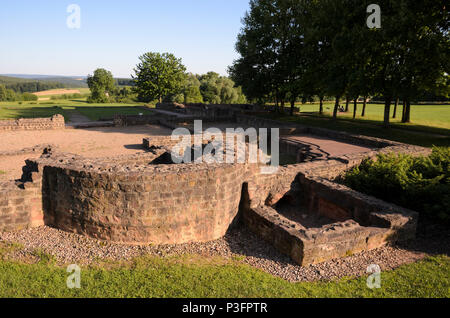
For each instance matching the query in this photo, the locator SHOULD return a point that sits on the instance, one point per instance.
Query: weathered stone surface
(55, 122)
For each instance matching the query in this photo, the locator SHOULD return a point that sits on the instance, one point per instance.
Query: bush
(29, 97)
(418, 183)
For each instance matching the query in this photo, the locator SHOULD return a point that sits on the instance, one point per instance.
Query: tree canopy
(101, 85)
(158, 75)
(299, 48)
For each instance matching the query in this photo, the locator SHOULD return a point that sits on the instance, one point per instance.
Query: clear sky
(35, 38)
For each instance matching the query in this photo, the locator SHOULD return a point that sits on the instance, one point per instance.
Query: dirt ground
(91, 142)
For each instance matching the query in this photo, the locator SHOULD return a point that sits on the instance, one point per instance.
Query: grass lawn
(421, 115)
(14, 110)
(430, 126)
(98, 112)
(195, 276)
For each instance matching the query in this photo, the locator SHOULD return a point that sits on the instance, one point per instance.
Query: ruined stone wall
(20, 205)
(339, 203)
(292, 129)
(55, 122)
(358, 222)
(135, 120)
(141, 203)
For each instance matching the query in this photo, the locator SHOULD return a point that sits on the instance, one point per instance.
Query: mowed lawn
(430, 124)
(14, 110)
(201, 276)
(426, 115)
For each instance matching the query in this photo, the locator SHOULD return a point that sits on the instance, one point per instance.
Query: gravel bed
(70, 248)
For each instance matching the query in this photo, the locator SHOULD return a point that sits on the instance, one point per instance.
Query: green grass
(98, 112)
(437, 134)
(195, 276)
(421, 115)
(2, 172)
(95, 111)
(13, 110)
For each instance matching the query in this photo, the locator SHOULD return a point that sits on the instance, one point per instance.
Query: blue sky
(35, 39)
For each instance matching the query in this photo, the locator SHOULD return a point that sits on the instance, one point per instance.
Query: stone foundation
(55, 122)
(146, 198)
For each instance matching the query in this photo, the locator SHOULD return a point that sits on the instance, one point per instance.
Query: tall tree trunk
(282, 106)
(408, 112)
(355, 106)
(321, 105)
(347, 102)
(404, 110)
(395, 108)
(387, 111)
(363, 113)
(336, 105)
(292, 106)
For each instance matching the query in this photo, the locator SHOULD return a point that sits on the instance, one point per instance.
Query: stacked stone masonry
(55, 122)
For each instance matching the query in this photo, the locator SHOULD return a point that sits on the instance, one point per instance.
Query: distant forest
(21, 85)
(124, 82)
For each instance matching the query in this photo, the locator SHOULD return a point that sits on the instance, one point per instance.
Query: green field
(82, 90)
(48, 108)
(430, 124)
(201, 276)
(424, 115)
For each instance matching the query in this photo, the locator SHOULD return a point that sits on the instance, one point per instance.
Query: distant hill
(32, 83)
(67, 81)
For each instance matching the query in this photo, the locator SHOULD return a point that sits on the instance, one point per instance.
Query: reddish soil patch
(90, 142)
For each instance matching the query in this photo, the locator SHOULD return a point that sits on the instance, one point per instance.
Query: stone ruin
(145, 198)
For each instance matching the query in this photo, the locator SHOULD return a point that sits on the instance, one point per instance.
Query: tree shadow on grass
(35, 112)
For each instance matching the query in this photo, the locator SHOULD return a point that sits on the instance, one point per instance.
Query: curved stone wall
(141, 203)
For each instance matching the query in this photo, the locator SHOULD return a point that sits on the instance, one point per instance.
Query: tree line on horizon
(161, 77)
(9, 95)
(291, 49)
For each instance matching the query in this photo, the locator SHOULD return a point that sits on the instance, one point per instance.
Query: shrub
(418, 183)
(29, 97)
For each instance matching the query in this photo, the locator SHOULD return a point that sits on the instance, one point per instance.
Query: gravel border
(68, 248)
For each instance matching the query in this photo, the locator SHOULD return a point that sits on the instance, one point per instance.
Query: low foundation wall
(357, 222)
(141, 203)
(136, 120)
(55, 122)
(20, 205)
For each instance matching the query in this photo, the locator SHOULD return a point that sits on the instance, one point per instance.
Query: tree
(158, 75)
(255, 69)
(210, 88)
(3, 93)
(191, 93)
(425, 50)
(101, 85)
(300, 48)
(216, 89)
